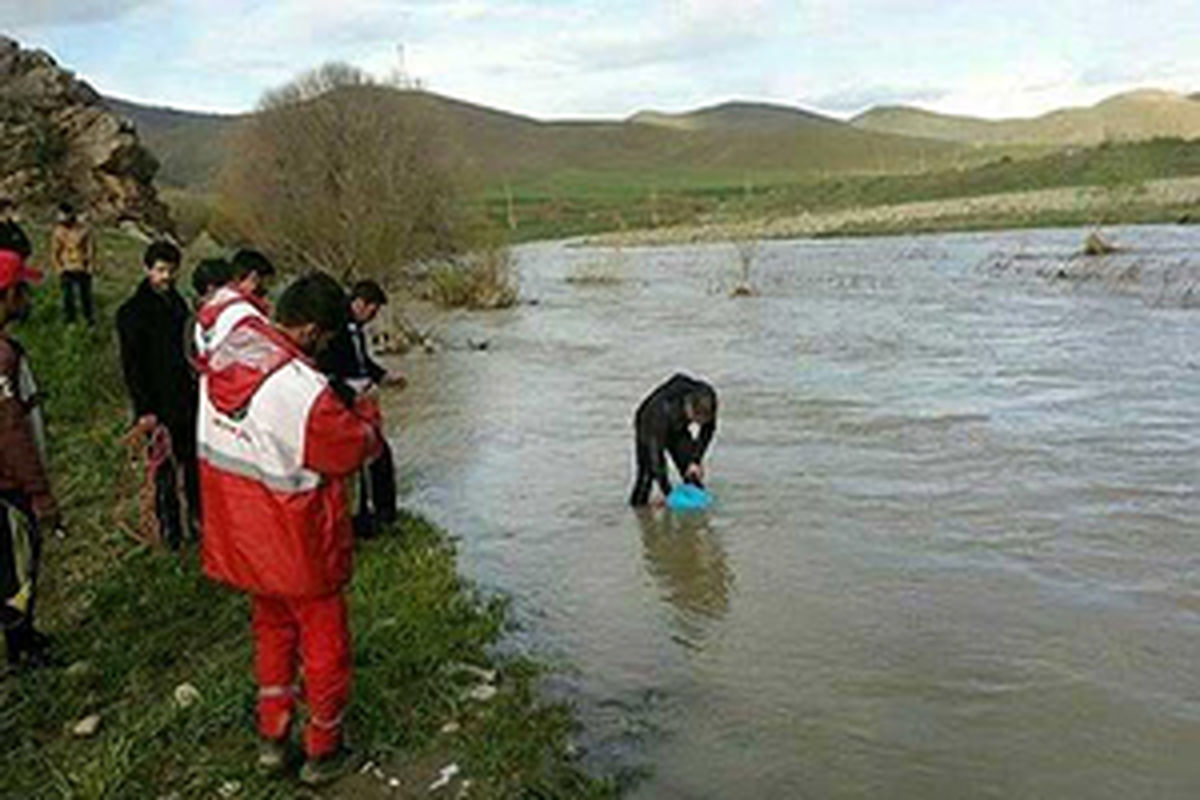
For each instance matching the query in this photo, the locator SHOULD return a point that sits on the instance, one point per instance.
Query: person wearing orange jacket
(276, 447)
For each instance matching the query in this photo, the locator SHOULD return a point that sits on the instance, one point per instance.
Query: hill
(743, 117)
(1133, 116)
(733, 142)
(188, 144)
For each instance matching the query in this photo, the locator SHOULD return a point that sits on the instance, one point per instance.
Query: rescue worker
(276, 447)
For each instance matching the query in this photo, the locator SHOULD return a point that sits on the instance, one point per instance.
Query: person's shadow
(684, 555)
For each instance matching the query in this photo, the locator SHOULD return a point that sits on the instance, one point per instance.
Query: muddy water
(954, 552)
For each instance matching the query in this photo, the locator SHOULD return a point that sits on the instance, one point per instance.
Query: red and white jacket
(221, 313)
(275, 444)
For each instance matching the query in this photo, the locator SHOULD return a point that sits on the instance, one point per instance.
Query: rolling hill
(725, 143)
(741, 117)
(1132, 116)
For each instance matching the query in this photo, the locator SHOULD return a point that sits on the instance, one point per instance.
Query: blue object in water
(687, 497)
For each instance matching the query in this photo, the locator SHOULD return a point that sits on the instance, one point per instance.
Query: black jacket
(13, 238)
(661, 424)
(346, 359)
(151, 328)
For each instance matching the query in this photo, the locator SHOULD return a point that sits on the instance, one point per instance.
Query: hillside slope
(1133, 116)
(723, 143)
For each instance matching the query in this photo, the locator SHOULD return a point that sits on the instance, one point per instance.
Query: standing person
(662, 423)
(73, 257)
(24, 484)
(162, 388)
(347, 360)
(12, 237)
(209, 276)
(276, 444)
(243, 295)
(252, 272)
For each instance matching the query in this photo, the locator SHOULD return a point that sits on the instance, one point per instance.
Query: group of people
(265, 413)
(262, 414)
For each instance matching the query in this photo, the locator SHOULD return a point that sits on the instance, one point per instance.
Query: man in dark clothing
(12, 238)
(347, 361)
(662, 423)
(27, 504)
(162, 387)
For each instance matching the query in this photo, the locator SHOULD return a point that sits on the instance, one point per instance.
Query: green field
(581, 203)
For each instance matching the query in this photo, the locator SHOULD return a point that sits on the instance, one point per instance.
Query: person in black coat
(663, 424)
(347, 361)
(12, 237)
(162, 386)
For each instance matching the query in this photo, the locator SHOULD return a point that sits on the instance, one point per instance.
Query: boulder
(58, 141)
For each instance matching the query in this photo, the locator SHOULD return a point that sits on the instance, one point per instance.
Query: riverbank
(1170, 200)
(162, 656)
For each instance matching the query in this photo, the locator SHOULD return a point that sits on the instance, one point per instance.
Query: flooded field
(954, 549)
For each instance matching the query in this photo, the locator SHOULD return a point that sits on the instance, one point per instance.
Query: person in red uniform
(276, 445)
(24, 484)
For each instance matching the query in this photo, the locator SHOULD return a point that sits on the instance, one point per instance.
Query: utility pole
(511, 209)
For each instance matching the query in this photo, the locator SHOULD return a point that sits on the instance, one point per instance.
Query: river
(956, 497)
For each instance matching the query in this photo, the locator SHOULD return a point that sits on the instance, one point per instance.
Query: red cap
(13, 270)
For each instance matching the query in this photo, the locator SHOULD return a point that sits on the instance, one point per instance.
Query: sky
(554, 59)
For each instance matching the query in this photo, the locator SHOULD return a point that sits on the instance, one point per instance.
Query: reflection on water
(953, 552)
(685, 556)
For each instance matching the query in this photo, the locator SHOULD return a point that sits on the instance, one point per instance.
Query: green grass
(579, 203)
(137, 623)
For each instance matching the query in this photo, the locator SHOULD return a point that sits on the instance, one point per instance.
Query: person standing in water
(662, 424)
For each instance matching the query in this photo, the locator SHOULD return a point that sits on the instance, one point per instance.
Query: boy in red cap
(276, 446)
(24, 485)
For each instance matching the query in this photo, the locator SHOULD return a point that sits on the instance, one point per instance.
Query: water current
(952, 550)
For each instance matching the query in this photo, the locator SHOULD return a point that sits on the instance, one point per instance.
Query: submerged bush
(481, 280)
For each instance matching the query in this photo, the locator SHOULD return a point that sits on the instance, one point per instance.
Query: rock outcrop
(58, 141)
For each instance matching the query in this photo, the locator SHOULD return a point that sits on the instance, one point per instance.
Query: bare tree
(340, 173)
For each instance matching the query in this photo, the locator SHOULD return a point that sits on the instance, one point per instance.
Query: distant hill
(1133, 116)
(743, 117)
(189, 145)
(726, 142)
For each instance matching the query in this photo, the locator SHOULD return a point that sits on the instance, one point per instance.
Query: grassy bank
(1172, 200)
(650, 203)
(132, 625)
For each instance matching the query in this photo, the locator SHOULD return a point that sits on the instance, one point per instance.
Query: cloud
(54, 13)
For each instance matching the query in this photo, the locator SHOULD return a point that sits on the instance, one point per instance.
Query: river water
(952, 553)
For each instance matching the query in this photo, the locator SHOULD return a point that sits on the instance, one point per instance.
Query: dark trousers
(77, 284)
(183, 464)
(183, 446)
(680, 450)
(19, 632)
(376, 494)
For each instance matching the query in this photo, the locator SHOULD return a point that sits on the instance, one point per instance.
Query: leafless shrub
(339, 173)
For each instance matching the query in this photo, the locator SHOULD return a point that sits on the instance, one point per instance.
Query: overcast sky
(610, 58)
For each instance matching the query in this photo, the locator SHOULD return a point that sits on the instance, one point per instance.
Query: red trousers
(314, 634)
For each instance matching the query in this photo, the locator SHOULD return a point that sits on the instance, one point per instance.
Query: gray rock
(58, 141)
